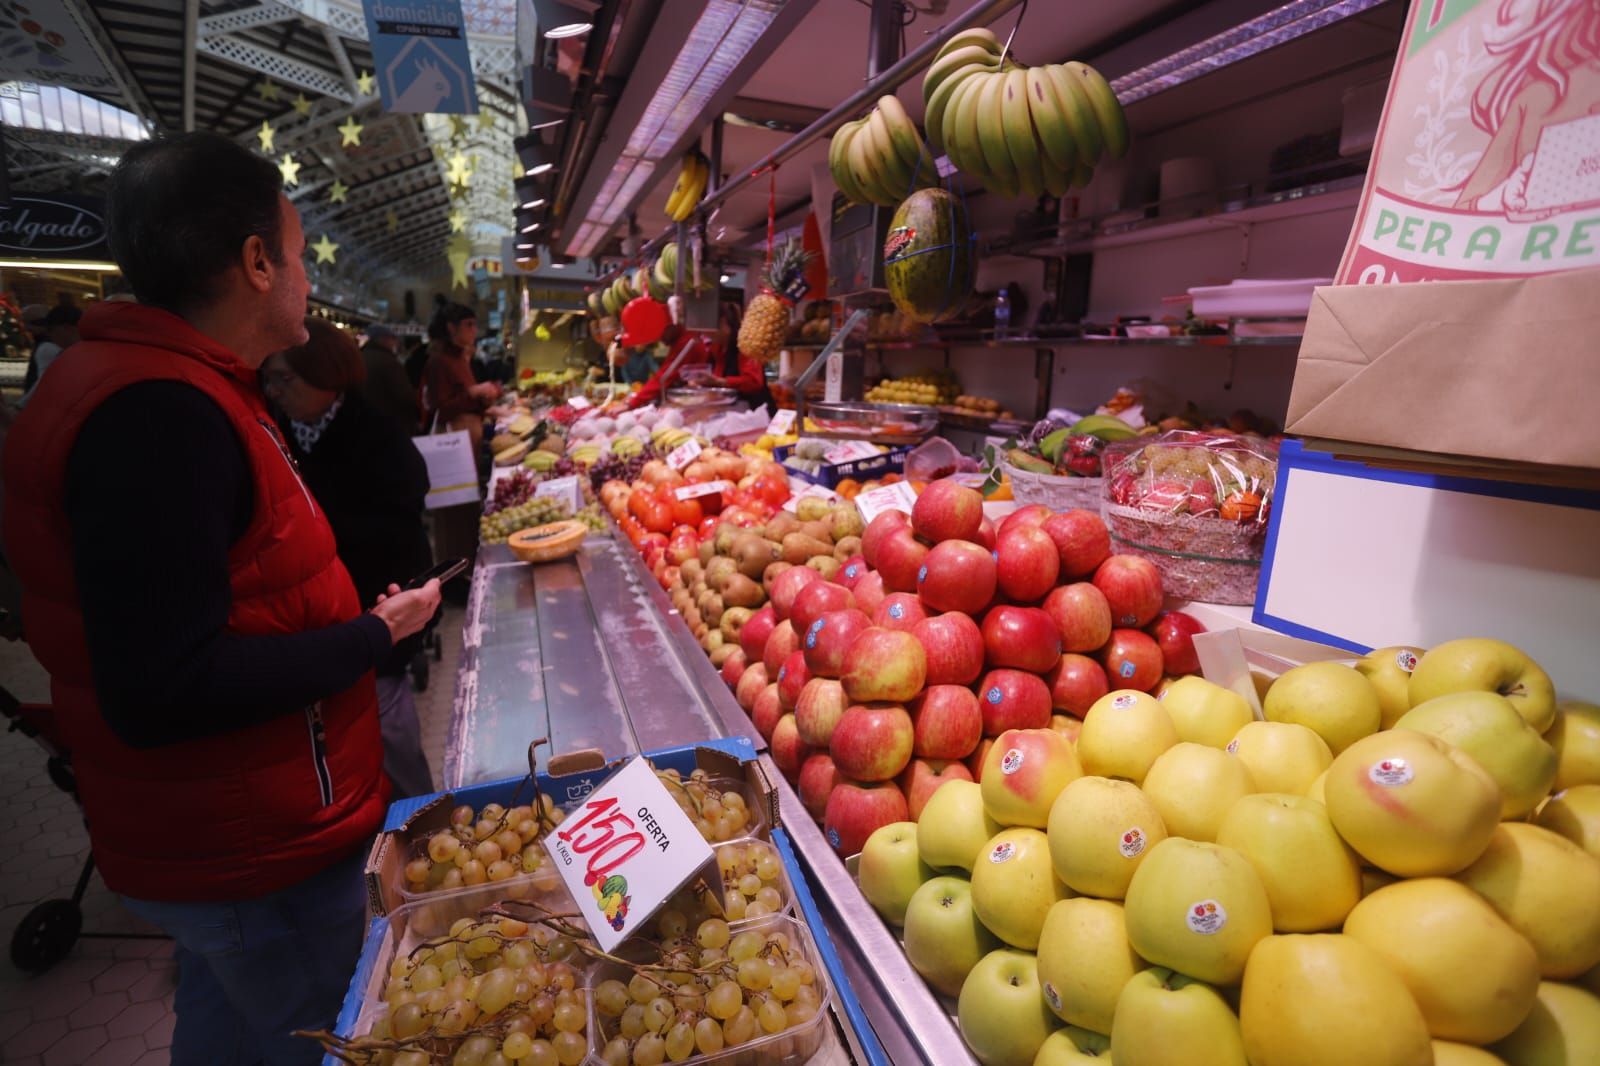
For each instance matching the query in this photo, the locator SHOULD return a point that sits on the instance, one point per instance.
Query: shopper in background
(59, 331)
(718, 351)
(452, 401)
(210, 664)
(371, 482)
(387, 389)
(33, 324)
(416, 362)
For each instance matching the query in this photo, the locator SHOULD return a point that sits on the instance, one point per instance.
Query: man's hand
(406, 613)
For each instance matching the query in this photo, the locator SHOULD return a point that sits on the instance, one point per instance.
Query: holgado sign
(52, 227)
(1487, 163)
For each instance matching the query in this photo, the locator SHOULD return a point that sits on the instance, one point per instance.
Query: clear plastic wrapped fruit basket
(1196, 505)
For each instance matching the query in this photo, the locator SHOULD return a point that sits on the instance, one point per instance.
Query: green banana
(938, 104)
(946, 66)
(1107, 109)
(1053, 444)
(896, 173)
(902, 133)
(1031, 463)
(1073, 100)
(977, 35)
(992, 136)
(843, 175)
(596, 308)
(959, 132)
(1017, 127)
(1055, 138)
(1106, 427)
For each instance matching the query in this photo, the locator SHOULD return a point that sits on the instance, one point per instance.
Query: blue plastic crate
(892, 461)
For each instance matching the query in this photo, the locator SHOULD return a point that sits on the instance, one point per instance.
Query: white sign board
(683, 454)
(565, 489)
(847, 450)
(625, 851)
(897, 497)
(807, 491)
(781, 423)
(705, 488)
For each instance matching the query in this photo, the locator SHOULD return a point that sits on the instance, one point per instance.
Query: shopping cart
(47, 933)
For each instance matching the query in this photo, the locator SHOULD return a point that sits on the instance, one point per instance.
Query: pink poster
(1487, 163)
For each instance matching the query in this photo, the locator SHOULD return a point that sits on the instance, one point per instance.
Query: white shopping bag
(452, 468)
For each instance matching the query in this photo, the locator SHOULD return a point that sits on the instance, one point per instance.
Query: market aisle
(109, 1003)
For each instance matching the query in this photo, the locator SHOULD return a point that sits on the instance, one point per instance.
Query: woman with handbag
(454, 402)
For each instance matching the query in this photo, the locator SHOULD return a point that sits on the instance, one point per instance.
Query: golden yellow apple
(1575, 814)
(1123, 733)
(1327, 1000)
(1575, 735)
(1100, 830)
(1488, 728)
(1548, 888)
(1411, 804)
(1281, 756)
(1204, 712)
(1486, 665)
(1002, 1014)
(1193, 786)
(953, 826)
(1084, 960)
(1197, 908)
(1318, 789)
(1446, 1053)
(1074, 1047)
(1563, 1029)
(1014, 885)
(1473, 976)
(1312, 877)
(1331, 699)
(1389, 670)
(1163, 1016)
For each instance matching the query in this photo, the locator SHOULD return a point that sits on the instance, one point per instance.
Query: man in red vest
(210, 665)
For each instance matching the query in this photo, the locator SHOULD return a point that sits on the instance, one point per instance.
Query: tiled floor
(109, 1003)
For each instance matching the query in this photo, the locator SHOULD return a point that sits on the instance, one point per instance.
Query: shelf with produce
(1079, 341)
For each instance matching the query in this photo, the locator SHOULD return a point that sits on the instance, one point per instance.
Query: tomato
(772, 489)
(687, 512)
(657, 516)
(708, 525)
(637, 504)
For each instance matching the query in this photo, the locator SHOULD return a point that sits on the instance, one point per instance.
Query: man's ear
(256, 259)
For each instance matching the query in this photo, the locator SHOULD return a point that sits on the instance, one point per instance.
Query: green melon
(930, 259)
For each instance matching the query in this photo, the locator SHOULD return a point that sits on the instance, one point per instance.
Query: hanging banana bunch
(881, 159)
(693, 177)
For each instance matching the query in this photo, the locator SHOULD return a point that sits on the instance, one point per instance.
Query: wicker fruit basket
(547, 543)
(1057, 492)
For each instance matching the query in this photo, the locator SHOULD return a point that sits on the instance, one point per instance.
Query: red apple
(1133, 589)
(884, 664)
(1013, 699)
(733, 668)
(878, 530)
(986, 534)
(1023, 638)
(1174, 632)
(822, 703)
(872, 742)
(899, 610)
(755, 631)
(767, 711)
(792, 677)
(924, 776)
(815, 600)
(787, 585)
(869, 591)
(789, 752)
(1082, 541)
(1075, 683)
(1081, 614)
(900, 558)
(1026, 563)
(976, 759)
(953, 645)
(947, 510)
(1133, 660)
(855, 811)
(829, 637)
(751, 682)
(818, 778)
(780, 645)
(957, 575)
(1028, 516)
(946, 722)
(1025, 772)
(854, 569)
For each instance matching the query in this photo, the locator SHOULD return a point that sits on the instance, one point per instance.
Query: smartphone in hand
(441, 573)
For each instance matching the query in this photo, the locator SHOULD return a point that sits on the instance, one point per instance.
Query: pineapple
(766, 320)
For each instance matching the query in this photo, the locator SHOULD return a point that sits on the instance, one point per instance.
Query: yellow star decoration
(301, 104)
(267, 90)
(289, 169)
(458, 126)
(265, 134)
(485, 119)
(350, 132)
(325, 249)
(392, 220)
(460, 172)
(338, 192)
(365, 83)
(458, 251)
(458, 222)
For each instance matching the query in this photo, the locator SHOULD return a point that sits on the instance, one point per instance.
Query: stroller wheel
(45, 935)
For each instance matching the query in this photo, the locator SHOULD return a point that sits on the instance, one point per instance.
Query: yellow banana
(978, 35)
(1107, 109)
(1017, 127)
(1055, 138)
(949, 64)
(960, 127)
(837, 165)
(938, 103)
(859, 154)
(902, 132)
(896, 174)
(1078, 114)
(992, 136)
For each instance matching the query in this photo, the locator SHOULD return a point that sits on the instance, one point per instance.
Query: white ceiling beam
(191, 60)
(246, 18)
(492, 55)
(336, 46)
(282, 68)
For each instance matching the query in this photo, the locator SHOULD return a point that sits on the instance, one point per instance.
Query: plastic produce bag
(936, 458)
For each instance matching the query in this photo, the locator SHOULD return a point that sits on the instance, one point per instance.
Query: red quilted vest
(245, 812)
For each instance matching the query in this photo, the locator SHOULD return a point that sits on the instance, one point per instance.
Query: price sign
(896, 497)
(809, 491)
(847, 450)
(781, 423)
(625, 851)
(579, 403)
(683, 454)
(705, 488)
(565, 489)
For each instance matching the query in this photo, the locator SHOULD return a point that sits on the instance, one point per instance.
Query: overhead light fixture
(546, 125)
(726, 278)
(532, 204)
(571, 29)
(534, 156)
(529, 228)
(723, 35)
(64, 264)
(558, 266)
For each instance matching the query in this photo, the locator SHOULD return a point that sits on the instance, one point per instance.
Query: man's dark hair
(179, 209)
(447, 315)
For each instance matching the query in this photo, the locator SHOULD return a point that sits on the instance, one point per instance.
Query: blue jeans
(253, 971)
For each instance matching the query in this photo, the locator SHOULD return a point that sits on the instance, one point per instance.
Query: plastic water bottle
(1002, 314)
